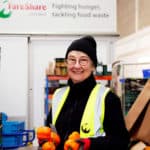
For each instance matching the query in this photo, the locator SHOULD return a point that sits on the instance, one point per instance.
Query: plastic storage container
(14, 140)
(14, 135)
(146, 73)
(12, 127)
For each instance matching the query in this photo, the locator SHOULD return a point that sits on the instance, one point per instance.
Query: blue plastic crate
(12, 127)
(11, 141)
(146, 73)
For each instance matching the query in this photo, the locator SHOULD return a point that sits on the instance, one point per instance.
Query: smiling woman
(93, 103)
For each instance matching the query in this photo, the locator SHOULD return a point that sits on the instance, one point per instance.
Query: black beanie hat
(86, 44)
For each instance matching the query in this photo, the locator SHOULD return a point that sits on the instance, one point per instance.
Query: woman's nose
(77, 63)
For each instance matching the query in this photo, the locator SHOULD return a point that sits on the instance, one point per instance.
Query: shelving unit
(55, 77)
(131, 87)
(133, 81)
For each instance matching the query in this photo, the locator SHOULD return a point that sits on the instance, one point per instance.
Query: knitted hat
(86, 44)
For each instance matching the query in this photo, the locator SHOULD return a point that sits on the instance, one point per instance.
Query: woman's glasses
(81, 61)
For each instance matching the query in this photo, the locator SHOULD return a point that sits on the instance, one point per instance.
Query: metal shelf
(97, 77)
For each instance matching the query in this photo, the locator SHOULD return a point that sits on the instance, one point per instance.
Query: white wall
(14, 76)
(134, 53)
(134, 48)
(45, 49)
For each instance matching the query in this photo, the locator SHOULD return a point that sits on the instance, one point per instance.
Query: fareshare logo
(4, 12)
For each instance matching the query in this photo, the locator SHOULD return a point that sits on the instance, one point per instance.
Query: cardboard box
(138, 118)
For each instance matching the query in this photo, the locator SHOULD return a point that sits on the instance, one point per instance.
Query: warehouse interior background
(24, 57)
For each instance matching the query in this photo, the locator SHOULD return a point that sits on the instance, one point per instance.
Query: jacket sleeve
(117, 136)
(49, 118)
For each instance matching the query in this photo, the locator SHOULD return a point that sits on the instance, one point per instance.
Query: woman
(85, 106)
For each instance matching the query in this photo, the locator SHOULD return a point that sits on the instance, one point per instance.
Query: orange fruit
(147, 148)
(70, 144)
(55, 138)
(43, 132)
(74, 135)
(48, 146)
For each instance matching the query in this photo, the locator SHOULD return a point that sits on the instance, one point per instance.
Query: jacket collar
(87, 84)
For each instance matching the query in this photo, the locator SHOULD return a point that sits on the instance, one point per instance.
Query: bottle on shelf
(60, 66)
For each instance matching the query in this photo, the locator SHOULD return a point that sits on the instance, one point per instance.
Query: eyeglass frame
(82, 61)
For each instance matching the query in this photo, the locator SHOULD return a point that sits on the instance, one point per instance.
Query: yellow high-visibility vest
(93, 116)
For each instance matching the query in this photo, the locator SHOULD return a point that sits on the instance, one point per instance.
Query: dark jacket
(70, 117)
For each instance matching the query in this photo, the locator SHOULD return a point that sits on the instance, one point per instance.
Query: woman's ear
(93, 69)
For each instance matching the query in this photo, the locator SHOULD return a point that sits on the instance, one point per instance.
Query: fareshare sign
(57, 16)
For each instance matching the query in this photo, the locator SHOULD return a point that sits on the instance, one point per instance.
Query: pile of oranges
(47, 138)
(71, 143)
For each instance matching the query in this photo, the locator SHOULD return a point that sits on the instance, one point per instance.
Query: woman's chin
(76, 80)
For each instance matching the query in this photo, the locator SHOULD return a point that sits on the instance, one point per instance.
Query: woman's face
(79, 66)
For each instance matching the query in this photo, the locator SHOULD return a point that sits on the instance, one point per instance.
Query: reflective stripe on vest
(95, 108)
